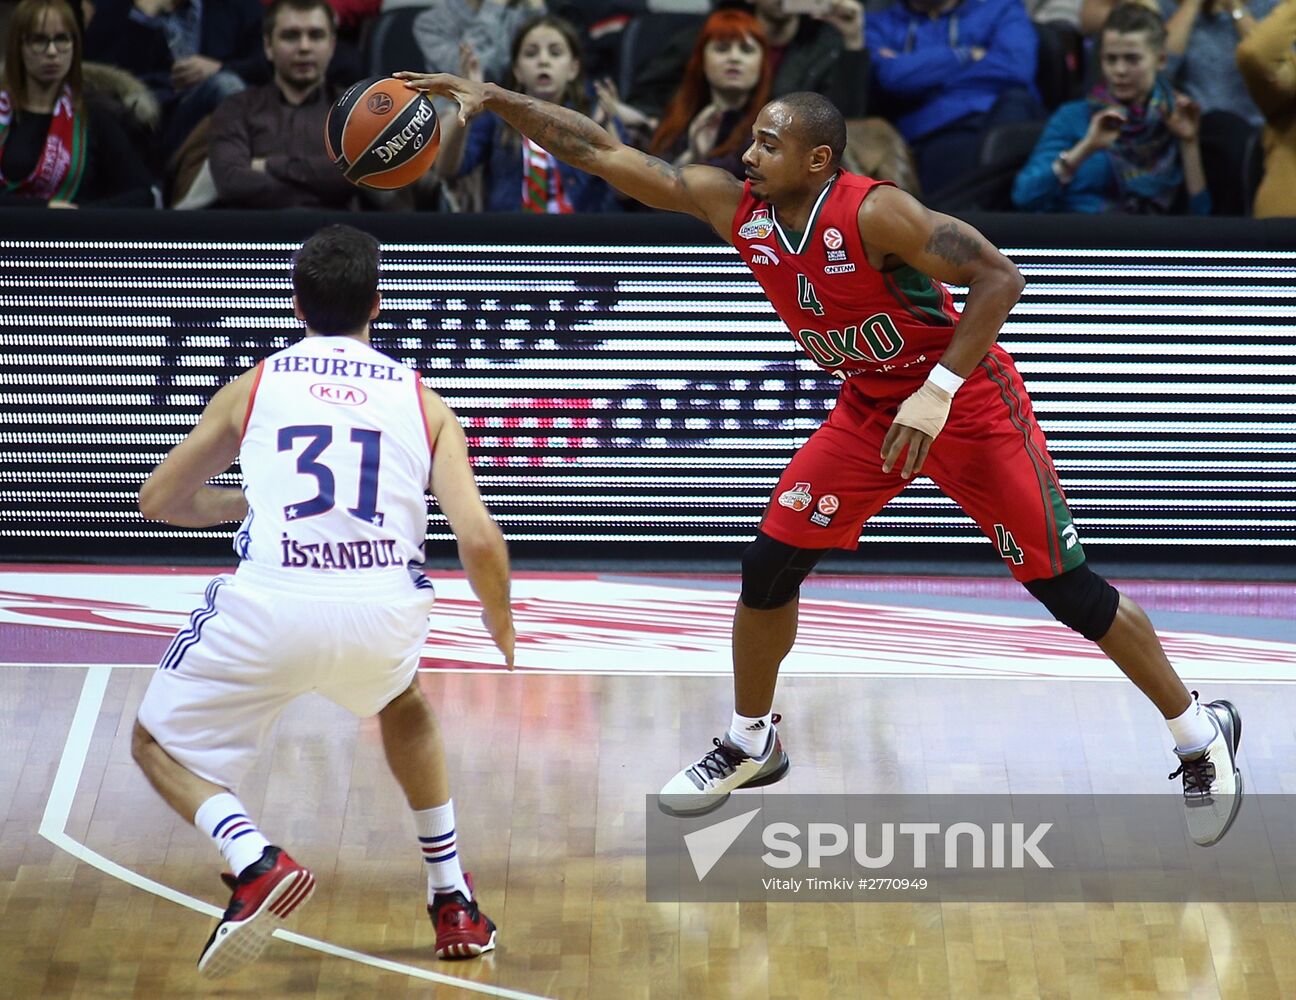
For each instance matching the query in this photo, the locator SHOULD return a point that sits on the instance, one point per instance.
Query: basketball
(381, 134)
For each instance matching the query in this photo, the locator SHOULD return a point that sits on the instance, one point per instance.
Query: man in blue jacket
(948, 70)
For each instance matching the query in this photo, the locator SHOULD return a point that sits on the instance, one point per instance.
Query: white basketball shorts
(248, 651)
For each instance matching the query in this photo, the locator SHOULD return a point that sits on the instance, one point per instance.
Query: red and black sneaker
(462, 930)
(265, 894)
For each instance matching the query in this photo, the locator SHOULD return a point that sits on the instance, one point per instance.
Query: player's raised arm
(708, 193)
(949, 250)
(177, 491)
(893, 224)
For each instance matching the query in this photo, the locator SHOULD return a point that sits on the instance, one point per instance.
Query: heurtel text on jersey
(343, 367)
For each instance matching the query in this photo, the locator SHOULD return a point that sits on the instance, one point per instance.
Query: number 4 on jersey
(1008, 547)
(806, 296)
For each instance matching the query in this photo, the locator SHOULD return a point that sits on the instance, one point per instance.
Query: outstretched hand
(1105, 127)
(469, 95)
(1184, 121)
(470, 67)
(847, 16)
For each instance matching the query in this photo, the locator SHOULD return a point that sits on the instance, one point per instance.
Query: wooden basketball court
(923, 685)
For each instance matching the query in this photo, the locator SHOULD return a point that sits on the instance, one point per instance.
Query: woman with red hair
(726, 82)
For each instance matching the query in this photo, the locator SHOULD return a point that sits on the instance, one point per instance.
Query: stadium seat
(1059, 73)
(389, 45)
(988, 188)
(1230, 148)
(643, 37)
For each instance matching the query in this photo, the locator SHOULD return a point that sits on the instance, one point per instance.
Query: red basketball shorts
(990, 459)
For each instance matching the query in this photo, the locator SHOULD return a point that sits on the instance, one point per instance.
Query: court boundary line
(58, 809)
(970, 675)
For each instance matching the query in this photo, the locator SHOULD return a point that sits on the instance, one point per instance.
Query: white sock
(223, 818)
(436, 833)
(1193, 730)
(751, 735)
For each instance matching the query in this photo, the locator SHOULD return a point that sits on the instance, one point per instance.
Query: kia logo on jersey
(341, 395)
(832, 238)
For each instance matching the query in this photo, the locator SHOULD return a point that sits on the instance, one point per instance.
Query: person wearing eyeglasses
(55, 150)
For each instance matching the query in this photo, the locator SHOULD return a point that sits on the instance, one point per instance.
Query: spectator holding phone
(1131, 145)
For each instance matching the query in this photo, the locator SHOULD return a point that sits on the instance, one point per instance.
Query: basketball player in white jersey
(337, 444)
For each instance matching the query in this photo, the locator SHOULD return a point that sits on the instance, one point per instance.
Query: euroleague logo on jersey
(825, 509)
(833, 240)
(340, 395)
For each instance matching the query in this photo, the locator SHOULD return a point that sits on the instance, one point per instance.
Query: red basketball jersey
(882, 330)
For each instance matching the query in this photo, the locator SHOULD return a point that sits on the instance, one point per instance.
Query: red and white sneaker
(265, 894)
(462, 930)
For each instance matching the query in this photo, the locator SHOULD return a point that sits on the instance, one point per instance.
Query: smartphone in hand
(806, 6)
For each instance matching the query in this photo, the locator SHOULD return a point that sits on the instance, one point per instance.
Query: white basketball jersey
(336, 459)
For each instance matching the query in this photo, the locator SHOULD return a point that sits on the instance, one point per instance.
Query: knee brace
(772, 572)
(1080, 599)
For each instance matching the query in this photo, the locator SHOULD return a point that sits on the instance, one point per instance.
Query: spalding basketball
(381, 134)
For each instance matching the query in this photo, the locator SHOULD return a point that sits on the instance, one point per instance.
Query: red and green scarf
(58, 173)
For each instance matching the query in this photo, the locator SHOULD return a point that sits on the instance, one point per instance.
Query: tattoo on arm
(568, 135)
(949, 243)
(667, 171)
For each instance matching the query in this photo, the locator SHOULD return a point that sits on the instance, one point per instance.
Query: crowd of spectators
(1147, 107)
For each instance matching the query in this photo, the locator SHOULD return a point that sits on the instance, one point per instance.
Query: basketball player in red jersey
(857, 269)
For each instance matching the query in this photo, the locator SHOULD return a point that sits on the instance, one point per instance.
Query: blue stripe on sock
(250, 829)
(447, 857)
(219, 826)
(439, 836)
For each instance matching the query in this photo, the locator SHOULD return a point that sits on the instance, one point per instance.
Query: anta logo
(342, 395)
(798, 497)
(766, 254)
(758, 226)
(832, 238)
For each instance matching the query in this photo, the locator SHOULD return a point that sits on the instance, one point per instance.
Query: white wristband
(942, 378)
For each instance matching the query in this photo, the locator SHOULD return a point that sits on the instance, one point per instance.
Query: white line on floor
(59, 807)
